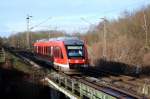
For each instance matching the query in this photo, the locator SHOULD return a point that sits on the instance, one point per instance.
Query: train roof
(66, 40)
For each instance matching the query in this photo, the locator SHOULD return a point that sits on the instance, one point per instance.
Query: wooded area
(127, 38)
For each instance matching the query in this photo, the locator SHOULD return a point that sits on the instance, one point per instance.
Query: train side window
(36, 50)
(47, 53)
(54, 52)
(49, 50)
(44, 50)
(39, 50)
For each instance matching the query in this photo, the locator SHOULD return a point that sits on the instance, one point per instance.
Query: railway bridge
(78, 86)
(85, 87)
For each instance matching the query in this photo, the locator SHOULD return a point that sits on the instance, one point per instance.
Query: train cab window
(58, 52)
(75, 51)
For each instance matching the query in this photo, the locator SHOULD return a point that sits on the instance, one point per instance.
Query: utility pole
(28, 31)
(146, 30)
(49, 34)
(104, 38)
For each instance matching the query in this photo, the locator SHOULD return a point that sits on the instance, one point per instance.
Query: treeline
(125, 38)
(1, 41)
(19, 40)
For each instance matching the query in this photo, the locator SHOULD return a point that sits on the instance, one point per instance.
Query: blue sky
(64, 14)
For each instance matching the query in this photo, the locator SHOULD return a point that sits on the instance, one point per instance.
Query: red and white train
(65, 53)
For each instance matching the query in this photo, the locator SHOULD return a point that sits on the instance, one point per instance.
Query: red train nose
(76, 61)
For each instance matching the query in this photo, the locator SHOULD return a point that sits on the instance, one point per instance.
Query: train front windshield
(75, 51)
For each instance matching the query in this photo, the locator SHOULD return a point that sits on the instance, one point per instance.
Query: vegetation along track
(120, 83)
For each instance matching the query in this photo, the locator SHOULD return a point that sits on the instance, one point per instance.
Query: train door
(58, 56)
(50, 53)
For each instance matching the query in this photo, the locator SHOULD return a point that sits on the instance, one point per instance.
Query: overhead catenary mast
(28, 31)
(104, 38)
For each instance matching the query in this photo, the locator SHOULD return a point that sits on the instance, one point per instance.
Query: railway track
(126, 83)
(109, 81)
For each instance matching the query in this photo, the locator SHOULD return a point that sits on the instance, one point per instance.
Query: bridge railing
(77, 88)
(2, 55)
